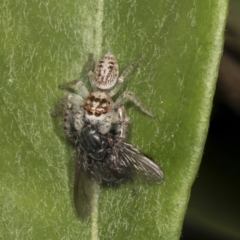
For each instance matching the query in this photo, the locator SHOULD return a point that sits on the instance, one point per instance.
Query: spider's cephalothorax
(97, 107)
(98, 126)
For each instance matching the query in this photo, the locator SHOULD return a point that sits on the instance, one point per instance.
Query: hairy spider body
(98, 126)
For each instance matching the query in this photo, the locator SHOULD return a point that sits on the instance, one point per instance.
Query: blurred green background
(214, 207)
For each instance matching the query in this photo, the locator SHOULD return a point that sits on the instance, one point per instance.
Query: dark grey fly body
(98, 126)
(92, 142)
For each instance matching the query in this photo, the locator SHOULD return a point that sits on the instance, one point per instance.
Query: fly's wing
(138, 165)
(86, 182)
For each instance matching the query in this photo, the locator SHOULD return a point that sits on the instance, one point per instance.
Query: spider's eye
(106, 72)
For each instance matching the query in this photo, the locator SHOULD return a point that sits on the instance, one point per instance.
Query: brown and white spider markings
(98, 126)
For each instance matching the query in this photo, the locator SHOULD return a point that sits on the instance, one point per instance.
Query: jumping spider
(98, 126)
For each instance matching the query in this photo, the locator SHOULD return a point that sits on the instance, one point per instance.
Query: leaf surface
(46, 43)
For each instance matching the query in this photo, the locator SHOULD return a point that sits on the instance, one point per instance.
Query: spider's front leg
(72, 105)
(73, 116)
(117, 136)
(123, 124)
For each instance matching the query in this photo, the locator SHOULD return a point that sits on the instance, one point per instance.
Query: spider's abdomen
(106, 72)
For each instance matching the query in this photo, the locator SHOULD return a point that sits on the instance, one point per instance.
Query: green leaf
(45, 43)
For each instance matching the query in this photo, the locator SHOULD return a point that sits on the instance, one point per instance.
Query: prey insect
(98, 126)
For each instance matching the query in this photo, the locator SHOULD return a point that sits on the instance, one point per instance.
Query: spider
(98, 126)
(97, 107)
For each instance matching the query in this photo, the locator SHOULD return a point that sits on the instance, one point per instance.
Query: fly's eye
(106, 73)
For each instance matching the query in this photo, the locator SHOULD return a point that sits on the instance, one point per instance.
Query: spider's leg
(123, 76)
(73, 115)
(123, 122)
(91, 71)
(130, 96)
(75, 86)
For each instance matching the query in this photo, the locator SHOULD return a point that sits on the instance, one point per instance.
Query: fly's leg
(130, 96)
